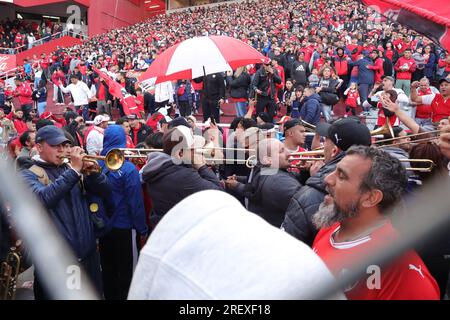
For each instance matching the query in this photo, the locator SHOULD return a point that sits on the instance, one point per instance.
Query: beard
(329, 214)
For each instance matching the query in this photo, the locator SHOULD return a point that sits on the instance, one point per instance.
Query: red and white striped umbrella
(201, 56)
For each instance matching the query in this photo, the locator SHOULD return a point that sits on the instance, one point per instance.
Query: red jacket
(442, 63)
(19, 124)
(378, 68)
(341, 65)
(24, 93)
(405, 75)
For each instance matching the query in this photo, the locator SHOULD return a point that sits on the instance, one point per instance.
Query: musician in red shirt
(354, 223)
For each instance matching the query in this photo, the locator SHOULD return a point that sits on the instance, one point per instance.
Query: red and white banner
(428, 17)
(7, 62)
(115, 89)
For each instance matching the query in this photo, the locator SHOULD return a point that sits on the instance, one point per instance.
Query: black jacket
(269, 194)
(300, 73)
(169, 183)
(240, 85)
(213, 86)
(262, 81)
(306, 202)
(143, 132)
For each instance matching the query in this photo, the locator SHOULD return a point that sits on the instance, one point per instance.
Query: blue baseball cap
(52, 135)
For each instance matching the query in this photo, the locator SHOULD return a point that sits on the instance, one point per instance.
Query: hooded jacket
(305, 203)
(126, 199)
(269, 194)
(169, 183)
(67, 204)
(310, 111)
(365, 75)
(210, 247)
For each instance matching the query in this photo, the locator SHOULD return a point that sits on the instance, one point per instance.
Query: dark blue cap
(52, 135)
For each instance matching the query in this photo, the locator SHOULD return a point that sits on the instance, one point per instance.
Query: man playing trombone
(62, 188)
(177, 172)
(269, 187)
(339, 137)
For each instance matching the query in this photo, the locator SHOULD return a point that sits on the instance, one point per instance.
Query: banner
(7, 62)
(127, 101)
(430, 18)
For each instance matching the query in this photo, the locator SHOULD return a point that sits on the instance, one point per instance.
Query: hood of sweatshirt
(194, 251)
(114, 137)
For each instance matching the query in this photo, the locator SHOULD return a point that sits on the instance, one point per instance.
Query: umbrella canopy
(201, 56)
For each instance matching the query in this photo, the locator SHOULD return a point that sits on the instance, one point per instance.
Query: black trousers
(266, 102)
(185, 108)
(211, 108)
(162, 104)
(116, 256)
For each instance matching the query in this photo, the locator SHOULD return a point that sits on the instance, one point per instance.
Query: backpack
(95, 203)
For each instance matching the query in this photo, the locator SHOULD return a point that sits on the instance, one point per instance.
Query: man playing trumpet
(62, 189)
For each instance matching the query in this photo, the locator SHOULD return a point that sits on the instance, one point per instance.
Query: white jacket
(80, 93)
(164, 91)
(94, 141)
(210, 247)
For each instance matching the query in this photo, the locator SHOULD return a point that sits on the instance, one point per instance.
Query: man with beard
(353, 222)
(340, 136)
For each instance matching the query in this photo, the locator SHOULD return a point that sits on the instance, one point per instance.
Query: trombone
(387, 128)
(430, 167)
(410, 136)
(307, 155)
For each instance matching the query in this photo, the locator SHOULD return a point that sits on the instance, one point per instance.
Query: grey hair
(386, 174)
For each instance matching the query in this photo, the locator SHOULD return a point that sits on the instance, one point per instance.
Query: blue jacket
(365, 76)
(310, 111)
(430, 66)
(126, 201)
(67, 205)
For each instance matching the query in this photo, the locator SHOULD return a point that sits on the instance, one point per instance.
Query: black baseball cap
(264, 116)
(180, 121)
(346, 133)
(52, 135)
(290, 124)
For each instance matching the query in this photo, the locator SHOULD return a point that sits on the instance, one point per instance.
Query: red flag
(428, 17)
(126, 100)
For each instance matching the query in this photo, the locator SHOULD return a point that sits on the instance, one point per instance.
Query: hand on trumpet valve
(315, 167)
(139, 162)
(76, 158)
(198, 160)
(231, 182)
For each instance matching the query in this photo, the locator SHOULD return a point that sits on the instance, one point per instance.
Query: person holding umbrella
(263, 85)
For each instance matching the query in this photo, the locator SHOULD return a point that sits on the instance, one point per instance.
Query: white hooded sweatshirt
(210, 247)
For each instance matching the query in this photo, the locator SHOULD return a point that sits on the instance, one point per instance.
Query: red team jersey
(407, 278)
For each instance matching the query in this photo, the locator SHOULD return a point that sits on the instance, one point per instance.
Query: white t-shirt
(94, 141)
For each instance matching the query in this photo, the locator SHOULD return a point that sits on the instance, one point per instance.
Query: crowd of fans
(21, 35)
(319, 54)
